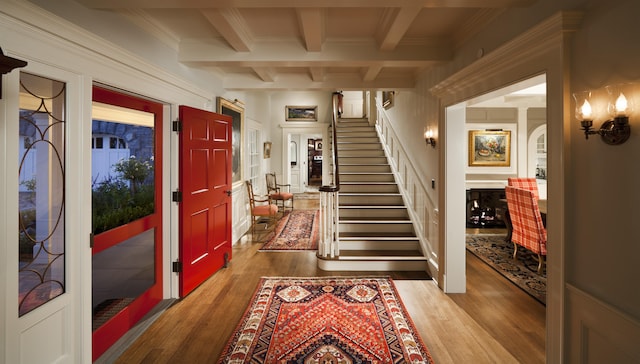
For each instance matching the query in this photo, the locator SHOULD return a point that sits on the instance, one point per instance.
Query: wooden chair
(526, 183)
(276, 193)
(528, 229)
(261, 209)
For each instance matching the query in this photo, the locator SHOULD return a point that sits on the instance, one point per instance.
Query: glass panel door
(126, 213)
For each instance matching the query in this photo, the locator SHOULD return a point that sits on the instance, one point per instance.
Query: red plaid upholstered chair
(526, 183)
(261, 209)
(276, 192)
(528, 229)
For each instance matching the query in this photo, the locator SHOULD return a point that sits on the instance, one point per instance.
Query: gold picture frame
(489, 148)
(235, 109)
(301, 113)
(387, 99)
(267, 150)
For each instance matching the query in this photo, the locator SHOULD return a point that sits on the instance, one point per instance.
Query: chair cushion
(265, 210)
(281, 196)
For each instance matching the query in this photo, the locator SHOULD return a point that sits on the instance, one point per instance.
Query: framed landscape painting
(489, 148)
(301, 113)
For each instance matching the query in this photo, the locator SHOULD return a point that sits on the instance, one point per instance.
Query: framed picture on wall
(267, 150)
(490, 148)
(301, 113)
(387, 99)
(235, 109)
(318, 145)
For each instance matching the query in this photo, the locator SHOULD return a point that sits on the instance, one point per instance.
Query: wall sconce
(7, 64)
(428, 137)
(615, 130)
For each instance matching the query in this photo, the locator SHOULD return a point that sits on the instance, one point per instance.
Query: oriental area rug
(297, 230)
(498, 254)
(326, 320)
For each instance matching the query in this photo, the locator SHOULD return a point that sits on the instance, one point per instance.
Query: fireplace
(484, 208)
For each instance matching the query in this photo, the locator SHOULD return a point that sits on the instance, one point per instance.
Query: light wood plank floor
(494, 322)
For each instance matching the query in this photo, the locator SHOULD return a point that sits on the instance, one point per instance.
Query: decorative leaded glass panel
(41, 192)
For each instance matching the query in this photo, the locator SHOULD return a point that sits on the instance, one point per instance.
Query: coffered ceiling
(311, 44)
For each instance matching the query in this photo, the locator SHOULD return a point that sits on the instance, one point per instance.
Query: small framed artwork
(318, 145)
(387, 99)
(490, 148)
(267, 150)
(301, 113)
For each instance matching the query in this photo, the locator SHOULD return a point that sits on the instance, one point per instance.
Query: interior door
(205, 185)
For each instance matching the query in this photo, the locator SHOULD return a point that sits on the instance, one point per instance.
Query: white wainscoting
(414, 192)
(598, 332)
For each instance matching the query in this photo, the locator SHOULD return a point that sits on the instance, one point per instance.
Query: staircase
(375, 231)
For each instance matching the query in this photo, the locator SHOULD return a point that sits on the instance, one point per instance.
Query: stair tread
(383, 254)
(370, 194)
(371, 206)
(390, 239)
(376, 220)
(376, 235)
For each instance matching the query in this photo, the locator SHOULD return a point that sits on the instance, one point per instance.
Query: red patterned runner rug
(297, 230)
(326, 320)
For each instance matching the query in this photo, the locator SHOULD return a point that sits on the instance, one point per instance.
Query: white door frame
(303, 130)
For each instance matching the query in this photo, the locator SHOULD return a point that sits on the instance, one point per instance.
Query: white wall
(603, 194)
(278, 101)
(593, 187)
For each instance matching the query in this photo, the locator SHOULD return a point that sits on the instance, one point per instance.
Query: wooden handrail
(329, 246)
(335, 182)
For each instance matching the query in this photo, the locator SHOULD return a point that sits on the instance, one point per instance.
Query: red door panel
(205, 211)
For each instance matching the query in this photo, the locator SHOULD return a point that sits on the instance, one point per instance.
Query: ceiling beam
(396, 23)
(312, 27)
(317, 74)
(371, 73)
(232, 26)
(212, 52)
(290, 82)
(266, 74)
(209, 4)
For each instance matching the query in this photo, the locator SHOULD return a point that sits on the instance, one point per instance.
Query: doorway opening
(126, 213)
(521, 102)
(314, 155)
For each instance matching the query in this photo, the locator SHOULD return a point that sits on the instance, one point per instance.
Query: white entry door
(46, 307)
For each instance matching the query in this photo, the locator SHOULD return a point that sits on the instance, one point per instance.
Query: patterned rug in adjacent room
(326, 320)
(297, 230)
(497, 253)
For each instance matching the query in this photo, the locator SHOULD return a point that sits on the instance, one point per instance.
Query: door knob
(228, 192)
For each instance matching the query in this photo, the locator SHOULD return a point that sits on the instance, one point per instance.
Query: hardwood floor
(494, 322)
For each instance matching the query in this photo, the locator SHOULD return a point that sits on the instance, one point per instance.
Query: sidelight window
(41, 193)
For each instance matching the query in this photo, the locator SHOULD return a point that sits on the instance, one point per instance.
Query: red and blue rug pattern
(326, 320)
(297, 230)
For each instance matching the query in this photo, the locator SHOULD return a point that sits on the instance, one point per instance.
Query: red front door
(205, 184)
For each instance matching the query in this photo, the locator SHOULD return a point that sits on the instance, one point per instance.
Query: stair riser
(366, 177)
(379, 245)
(345, 160)
(372, 213)
(360, 132)
(365, 168)
(369, 200)
(384, 188)
(357, 139)
(364, 265)
(376, 228)
(361, 153)
(358, 146)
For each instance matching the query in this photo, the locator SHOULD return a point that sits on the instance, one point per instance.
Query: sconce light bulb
(428, 134)
(621, 104)
(585, 109)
